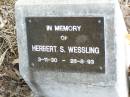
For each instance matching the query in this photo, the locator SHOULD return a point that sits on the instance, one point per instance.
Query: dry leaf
(15, 61)
(2, 57)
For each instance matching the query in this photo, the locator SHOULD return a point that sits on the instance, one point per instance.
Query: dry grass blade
(2, 24)
(2, 57)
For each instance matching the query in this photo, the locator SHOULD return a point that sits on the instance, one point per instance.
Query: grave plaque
(72, 48)
(68, 44)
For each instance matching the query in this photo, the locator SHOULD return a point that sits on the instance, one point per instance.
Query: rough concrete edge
(36, 2)
(121, 85)
(19, 42)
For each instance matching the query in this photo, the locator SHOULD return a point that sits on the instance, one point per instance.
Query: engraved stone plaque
(66, 44)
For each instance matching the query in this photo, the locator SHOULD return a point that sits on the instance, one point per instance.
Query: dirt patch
(11, 83)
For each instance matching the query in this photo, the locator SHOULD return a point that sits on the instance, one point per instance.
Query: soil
(11, 83)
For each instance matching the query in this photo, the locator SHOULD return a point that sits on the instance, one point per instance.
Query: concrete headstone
(71, 48)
